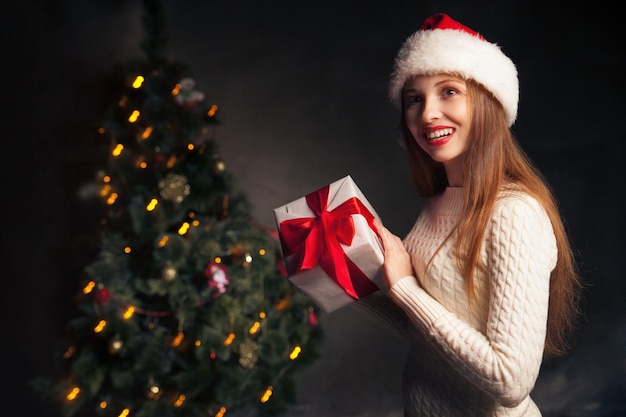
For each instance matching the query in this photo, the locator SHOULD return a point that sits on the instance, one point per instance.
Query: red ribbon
(317, 241)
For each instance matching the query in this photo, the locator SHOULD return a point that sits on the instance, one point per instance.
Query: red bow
(317, 241)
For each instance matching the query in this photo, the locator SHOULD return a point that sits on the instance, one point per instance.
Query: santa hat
(443, 45)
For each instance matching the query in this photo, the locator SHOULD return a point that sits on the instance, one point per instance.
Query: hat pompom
(443, 45)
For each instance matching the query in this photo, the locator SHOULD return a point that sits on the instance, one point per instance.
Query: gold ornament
(115, 345)
(174, 188)
(220, 165)
(169, 273)
(154, 391)
(247, 354)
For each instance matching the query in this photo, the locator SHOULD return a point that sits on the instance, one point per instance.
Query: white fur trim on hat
(435, 51)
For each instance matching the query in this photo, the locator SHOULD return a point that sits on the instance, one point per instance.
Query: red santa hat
(443, 45)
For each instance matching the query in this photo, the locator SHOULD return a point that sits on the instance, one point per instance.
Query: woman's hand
(397, 260)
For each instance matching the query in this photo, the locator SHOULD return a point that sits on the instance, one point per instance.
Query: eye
(449, 91)
(412, 99)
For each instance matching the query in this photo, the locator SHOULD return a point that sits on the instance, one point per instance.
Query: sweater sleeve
(503, 361)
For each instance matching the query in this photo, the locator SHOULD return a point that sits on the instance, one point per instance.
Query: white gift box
(364, 251)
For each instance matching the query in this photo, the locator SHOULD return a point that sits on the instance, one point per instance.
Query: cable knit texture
(473, 358)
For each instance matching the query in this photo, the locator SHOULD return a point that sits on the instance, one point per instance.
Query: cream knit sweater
(471, 359)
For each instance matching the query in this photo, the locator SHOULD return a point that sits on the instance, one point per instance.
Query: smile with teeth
(437, 135)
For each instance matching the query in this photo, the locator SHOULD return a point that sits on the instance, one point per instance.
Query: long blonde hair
(494, 161)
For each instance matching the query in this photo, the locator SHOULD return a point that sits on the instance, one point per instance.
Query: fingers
(389, 240)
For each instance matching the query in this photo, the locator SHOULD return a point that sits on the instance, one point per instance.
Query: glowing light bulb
(152, 204)
(134, 116)
(89, 287)
(163, 241)
(146, 133)
(295, 352)
(100, 326)
(184, 228)
(138, 81)
(71, 396)
(229, 339)
(128, 313)
(255, 327)
(180, 400)
(112, 198)
(267, 394)
(178, 339)
(117, 150)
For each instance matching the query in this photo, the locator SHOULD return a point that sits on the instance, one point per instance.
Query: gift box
(331, 249)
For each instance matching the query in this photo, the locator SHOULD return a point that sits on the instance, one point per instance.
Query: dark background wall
(302, 93)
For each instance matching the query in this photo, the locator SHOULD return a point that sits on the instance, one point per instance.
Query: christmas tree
(186, 309)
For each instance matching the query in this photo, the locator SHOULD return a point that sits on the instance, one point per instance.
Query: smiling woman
(487, 263)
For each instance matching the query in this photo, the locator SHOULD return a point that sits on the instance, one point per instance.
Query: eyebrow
(454, 80)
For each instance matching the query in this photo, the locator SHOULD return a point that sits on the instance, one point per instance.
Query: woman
(484, 286)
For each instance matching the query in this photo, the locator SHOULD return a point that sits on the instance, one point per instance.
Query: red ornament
(102, 296)
(312, 318)
(218, 279)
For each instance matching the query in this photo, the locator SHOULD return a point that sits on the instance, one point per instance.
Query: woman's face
(437, 113)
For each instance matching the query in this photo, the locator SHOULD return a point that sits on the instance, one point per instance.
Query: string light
(134, 116)
(146, 133)
(178, 339)
(128, 313)
(262, 252)
(255, 327)
(125, 412)
(89, 287)
(112, 198)
(229, 339)
(267, 394)
(152, 204)
(163, 241)
(127, 250)
(100, 326)
(295, 352)
(221, 412)
(105, 190)
(180, 400)
(117, 150)
(184, 228)
(103, 404)
(138, 81)
(71, 396)
(69, 352)
(212, 110)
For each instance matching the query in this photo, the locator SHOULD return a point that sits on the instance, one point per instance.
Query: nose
(430, 110)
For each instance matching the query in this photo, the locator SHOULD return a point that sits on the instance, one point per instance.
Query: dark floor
(302, 93)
